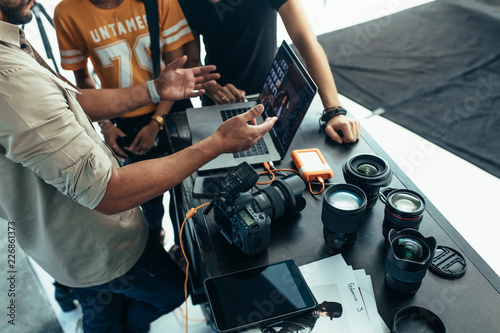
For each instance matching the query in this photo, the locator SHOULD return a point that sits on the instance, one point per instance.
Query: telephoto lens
(409, 254)
(369, 172)
(343, 214)
(403, 209)
(283, 197)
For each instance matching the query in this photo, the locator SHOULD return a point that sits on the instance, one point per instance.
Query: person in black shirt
(240, 39)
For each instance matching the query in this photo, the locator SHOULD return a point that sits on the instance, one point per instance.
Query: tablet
(258, 296)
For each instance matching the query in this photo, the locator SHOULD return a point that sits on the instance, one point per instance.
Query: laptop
(287, 93)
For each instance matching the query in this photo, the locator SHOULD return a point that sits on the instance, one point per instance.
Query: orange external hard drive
(311, 164)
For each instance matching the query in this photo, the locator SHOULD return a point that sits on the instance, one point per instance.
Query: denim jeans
(152, 287)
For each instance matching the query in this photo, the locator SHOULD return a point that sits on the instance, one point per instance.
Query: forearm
(136, 183)
(139, 182)
(303, 37)
(318, 67)
(102, 104)
(163, 108)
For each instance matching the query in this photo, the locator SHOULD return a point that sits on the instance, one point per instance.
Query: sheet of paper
(366, 286)
(333, 281)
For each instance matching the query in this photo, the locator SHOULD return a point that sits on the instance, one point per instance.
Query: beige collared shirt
(54, 169)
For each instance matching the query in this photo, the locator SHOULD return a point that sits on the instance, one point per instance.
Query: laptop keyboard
(260, 148)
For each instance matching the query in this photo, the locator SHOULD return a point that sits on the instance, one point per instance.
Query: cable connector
(321, 180)
(190, 213)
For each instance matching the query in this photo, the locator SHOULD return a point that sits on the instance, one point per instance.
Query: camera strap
(154, 34)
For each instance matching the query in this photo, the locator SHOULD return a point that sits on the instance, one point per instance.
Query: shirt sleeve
(73, 55)
(277, 3)
(174, 27)
(40, 131)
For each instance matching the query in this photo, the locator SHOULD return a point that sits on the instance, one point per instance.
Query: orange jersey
(117, 40)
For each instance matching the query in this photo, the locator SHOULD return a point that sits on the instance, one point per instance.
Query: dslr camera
(243, 217)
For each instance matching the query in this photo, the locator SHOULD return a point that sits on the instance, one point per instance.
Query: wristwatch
(158, 119)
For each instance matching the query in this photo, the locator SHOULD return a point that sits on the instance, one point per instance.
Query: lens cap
(417, 319)
(448, 263)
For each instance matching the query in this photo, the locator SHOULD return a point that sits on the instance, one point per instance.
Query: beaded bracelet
(327, 115)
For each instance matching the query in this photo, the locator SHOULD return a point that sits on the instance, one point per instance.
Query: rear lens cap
(417, 319)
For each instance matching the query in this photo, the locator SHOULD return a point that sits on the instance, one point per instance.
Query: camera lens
(409, 254)
(283, 197)
(406, 203)
(403, 209)
(368, 172)
(344, 200)
(367, 169)
(409, 249)
(343, 214)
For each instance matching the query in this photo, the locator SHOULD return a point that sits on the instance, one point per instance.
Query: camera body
(241, 224)
(244, 218)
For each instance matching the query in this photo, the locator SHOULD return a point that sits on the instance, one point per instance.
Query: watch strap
(153, 93)
(327, 115)
(158, 119)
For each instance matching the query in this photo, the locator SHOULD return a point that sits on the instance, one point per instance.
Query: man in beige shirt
(74, 209)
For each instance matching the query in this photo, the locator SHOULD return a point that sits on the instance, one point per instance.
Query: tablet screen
(258, 296)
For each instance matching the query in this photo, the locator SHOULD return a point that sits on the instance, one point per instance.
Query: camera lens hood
(409, 265)
(405, 274)
(283, 197)
(292, 186)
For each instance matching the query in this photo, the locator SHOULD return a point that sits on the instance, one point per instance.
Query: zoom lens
(343, 214)
(283, 197)
(368, 172)
(403, 209)
(409, 254)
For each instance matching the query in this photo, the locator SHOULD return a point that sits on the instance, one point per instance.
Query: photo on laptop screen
(287, 93)
(285, 96)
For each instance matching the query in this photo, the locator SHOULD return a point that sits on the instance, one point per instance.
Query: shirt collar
(12, 34)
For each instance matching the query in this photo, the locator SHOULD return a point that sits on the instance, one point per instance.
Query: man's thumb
(177, 63)
(254, 112)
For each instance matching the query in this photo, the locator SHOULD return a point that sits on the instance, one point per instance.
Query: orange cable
(189, 214)
(322, 186)
(184, 316)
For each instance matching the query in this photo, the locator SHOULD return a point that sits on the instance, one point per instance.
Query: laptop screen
(287, 94)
